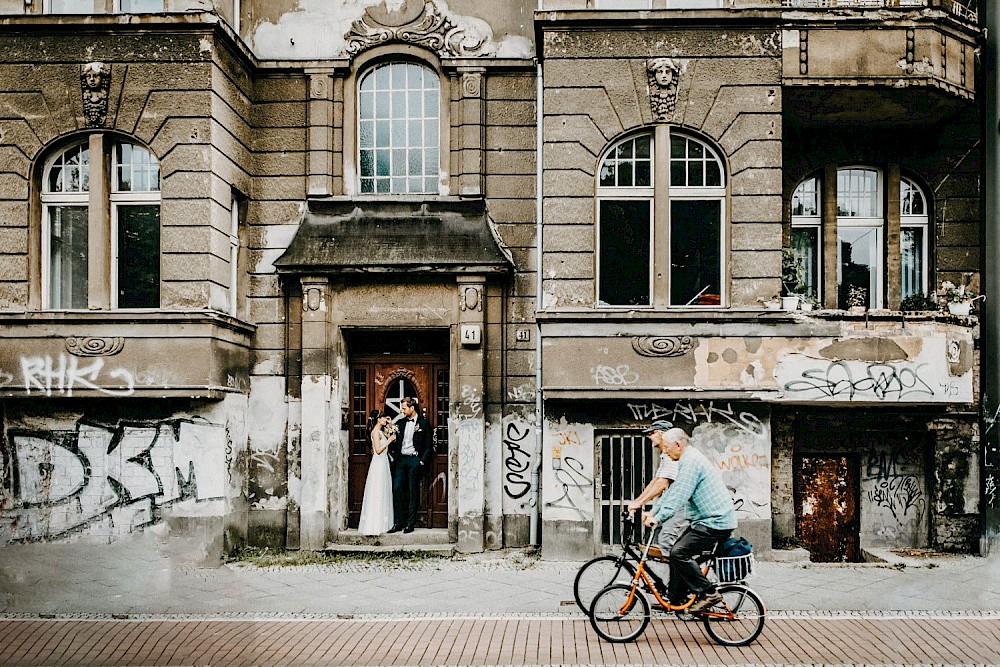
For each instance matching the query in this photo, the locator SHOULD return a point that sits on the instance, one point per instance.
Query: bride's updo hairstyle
(373, 417)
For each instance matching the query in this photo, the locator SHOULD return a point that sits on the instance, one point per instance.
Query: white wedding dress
(376, 506)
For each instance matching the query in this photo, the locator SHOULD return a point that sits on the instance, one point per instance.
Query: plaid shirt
(699, 486)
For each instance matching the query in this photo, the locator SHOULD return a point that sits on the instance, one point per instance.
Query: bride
(376, 507)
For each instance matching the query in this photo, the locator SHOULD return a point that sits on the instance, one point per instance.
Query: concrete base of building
(568, 540)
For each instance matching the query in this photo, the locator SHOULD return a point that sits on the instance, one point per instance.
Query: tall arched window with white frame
(805, 270)
(625, 224)
(913, 223)
(399, 129)
(65, 237)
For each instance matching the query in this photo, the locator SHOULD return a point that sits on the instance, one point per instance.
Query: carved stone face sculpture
(95, 81)
(663, 75)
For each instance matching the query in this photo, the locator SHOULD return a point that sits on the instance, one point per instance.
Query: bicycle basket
(733, 568)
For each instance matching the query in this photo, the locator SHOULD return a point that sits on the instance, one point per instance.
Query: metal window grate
(443, 399)
(628, 462)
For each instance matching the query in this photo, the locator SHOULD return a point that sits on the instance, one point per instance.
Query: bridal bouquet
(390, 429)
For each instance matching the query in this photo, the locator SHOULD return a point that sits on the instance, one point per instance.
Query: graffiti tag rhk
(65, 374)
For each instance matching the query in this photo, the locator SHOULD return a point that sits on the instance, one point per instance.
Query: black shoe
(395, 529)
(408, 529)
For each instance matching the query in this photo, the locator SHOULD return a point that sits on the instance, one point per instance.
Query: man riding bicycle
(700, 491)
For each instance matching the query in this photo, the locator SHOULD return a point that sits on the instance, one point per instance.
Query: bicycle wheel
(748, 616)
(620, 613)
(595, 575)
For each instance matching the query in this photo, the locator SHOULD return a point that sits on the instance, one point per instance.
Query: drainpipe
(989, 318)
(534, 524)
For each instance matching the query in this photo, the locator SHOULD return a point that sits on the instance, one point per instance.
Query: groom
(412, 452)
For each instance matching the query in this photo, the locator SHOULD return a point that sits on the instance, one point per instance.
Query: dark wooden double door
(382, 383)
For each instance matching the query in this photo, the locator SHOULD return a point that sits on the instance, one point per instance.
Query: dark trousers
(685, 575)
(406, 491)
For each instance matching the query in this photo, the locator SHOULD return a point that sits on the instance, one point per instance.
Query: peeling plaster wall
(101, 472)
(313, 29)
(567, 493)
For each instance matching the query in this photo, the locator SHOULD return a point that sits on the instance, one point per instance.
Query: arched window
(399, 129)
(660, 243)
(912, 239)
(125, 227)
(863, 268)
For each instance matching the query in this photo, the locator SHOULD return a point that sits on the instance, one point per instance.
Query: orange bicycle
(621, 611)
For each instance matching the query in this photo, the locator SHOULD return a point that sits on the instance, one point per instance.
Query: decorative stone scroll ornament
(95, 82)
(662, 346)
(447, 35)
(87, 346)
(663, 75)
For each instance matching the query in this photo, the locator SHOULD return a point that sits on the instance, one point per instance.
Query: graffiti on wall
(893, 486)
(928, 378)
(64, 374)
(568, 474)
(518, 462)
(696, 412)
(108, 479)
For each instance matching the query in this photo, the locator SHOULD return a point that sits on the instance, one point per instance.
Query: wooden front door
(382, 384)
(826, 507)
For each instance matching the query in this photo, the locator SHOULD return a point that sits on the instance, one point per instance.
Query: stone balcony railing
(966, 11)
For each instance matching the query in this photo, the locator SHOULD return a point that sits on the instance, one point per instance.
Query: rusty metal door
(383, 385)
(826, 507)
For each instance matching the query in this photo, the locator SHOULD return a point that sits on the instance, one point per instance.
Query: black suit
(407, 470)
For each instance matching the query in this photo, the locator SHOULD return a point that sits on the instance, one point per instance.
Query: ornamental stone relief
(426, 25)
(662, 346)
(95, 82)
(92, 346)
(663, 76)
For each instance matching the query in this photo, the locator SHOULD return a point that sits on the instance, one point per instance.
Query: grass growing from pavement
(264, 557)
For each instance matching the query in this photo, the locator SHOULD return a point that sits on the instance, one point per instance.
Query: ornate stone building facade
(229, 236)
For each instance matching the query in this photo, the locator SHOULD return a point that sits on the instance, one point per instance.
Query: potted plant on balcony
(958, 298)
(791, 278)
(857, 297)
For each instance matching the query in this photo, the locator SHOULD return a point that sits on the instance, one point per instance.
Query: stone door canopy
(429, 237)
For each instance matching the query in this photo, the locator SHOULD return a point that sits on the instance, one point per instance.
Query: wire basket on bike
(731, 569)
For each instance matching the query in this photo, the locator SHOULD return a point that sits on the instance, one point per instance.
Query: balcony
(145, 354)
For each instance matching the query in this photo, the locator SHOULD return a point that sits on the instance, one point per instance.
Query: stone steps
(428, 540)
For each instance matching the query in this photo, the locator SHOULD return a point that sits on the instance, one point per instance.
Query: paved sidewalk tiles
(848, 639)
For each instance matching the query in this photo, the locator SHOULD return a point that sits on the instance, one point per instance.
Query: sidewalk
(487, 642)
(146, 574)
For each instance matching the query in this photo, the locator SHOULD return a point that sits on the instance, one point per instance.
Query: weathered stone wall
(596, 92)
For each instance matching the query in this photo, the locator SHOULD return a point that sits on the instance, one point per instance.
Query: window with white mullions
(70, 221)
(913, 222)
(690, 223)
(859, 237)
(806, 228)
(399, 129)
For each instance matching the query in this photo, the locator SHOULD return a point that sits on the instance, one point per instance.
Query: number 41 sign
(472, 334)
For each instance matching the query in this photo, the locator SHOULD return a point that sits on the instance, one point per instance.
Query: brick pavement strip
(542, 640)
